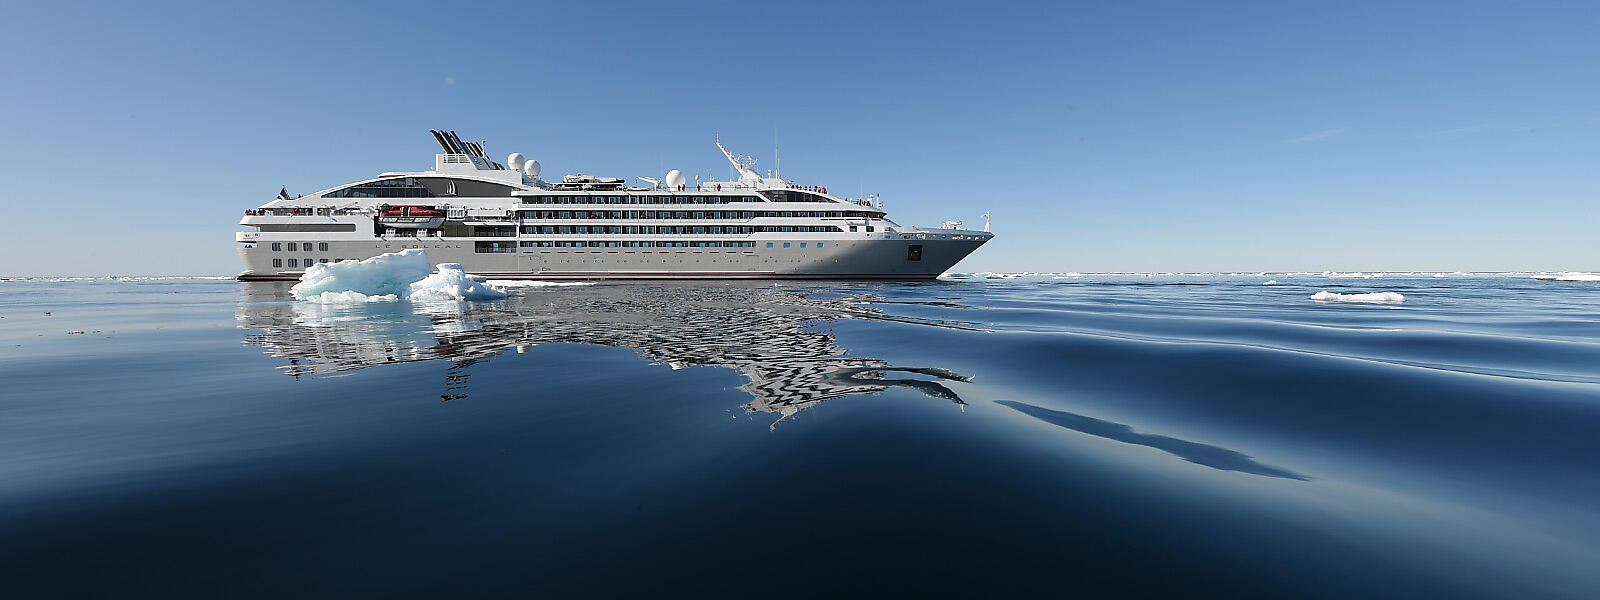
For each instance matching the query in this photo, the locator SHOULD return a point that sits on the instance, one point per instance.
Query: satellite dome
(531, 168)
(674, 178)
(515, 161)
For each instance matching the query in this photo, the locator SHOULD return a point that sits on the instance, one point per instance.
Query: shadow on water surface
(1201, 454)
(764, 332)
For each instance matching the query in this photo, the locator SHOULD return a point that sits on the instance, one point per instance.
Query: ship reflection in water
(765, 332)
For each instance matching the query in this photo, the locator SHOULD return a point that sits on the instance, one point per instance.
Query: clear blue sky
(1103, 136)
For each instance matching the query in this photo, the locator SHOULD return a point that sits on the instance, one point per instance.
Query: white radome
(675, 178)
(531, 168)
(515, 161)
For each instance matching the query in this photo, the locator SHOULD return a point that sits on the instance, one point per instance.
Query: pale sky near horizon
(1151, 136)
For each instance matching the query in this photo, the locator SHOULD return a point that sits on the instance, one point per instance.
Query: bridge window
(494, 247)
(404, 187)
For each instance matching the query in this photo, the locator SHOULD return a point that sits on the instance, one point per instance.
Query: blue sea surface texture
(1096, 435)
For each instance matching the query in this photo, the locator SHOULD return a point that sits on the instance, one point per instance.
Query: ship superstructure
(504, 221)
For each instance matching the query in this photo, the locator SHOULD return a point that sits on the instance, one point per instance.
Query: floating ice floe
(1270, 282)
(1357, 275)
(1568, 276)
(382, 275)
(391, 277)
(452, 284)
(1371, 297)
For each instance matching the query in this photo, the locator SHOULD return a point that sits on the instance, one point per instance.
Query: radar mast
(744, 164)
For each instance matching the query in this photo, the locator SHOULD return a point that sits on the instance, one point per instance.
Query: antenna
(777, 162)
(986, 221)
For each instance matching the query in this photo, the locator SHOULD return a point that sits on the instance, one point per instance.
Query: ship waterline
(502, 221)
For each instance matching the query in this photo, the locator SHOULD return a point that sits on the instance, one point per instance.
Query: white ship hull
(884, 258)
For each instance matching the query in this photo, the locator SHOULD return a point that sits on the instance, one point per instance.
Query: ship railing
(310, 211)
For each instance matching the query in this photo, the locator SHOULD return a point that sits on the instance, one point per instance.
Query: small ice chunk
(1270, 282)
(1568, 276)
(1371, 297)
(452, 283)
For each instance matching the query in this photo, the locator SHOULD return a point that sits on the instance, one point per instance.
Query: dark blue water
(1096, 436)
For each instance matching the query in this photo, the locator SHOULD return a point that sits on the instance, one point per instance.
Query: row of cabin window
(609, 244)
(295, 247)
(295, 262)
(685, 214)
(637, 199)
(774, 196)
(671, 229)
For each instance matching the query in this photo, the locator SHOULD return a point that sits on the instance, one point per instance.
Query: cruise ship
(503, 221)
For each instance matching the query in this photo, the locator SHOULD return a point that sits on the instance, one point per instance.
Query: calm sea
(1090, 436)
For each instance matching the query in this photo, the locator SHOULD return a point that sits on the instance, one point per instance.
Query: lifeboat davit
(411, 217)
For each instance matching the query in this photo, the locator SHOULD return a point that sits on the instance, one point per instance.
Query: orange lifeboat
(411, 217)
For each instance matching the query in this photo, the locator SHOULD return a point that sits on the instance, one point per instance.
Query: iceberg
(391, 277)
(452, 284)
(1371, 297)
(353, 281)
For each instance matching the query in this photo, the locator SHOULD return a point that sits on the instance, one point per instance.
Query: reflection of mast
(764, 333)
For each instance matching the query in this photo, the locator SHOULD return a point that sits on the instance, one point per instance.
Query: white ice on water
(452, 284)
(1371, 297)
(384, 277)
(391, 277)
(1568, 276)
(1270, 282)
